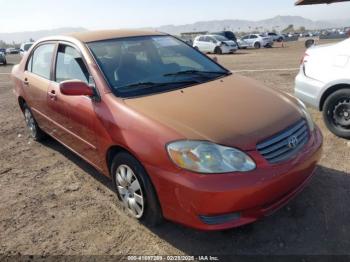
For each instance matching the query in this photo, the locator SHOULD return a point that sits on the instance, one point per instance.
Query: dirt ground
(52, 202)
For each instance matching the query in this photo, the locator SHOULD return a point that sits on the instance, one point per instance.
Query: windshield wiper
(190, 72)
(155, 84)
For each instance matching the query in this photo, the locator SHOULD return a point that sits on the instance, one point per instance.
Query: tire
(280, 39)
(336, 113)
(138, 198)
(34, 130)
(196, 47)
(5, 62)
(257, 45)
(218, 50)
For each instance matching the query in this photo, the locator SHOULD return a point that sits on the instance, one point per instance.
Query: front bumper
(268, 43)
(228, 49)
(187, 198)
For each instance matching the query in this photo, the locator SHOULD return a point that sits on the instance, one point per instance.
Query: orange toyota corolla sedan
(181, 137)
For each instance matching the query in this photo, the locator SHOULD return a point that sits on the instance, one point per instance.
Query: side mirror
(76, 88)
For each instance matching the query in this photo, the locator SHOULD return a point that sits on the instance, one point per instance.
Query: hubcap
(30, 122)
(341, 114)
(130, 190)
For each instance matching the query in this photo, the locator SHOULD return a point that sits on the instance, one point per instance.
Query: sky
(32, 15)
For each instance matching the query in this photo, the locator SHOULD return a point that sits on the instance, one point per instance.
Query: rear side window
(70, 65)
(41, 59)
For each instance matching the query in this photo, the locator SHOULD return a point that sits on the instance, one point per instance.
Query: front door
(79, 110)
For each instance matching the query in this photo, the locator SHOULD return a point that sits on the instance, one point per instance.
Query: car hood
(233, 111)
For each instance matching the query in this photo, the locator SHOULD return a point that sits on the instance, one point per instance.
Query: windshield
(220, 38)
(146, 65)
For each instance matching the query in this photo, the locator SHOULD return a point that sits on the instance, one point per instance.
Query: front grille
(285, 144)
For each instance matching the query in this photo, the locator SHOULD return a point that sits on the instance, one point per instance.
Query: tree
(302, 29)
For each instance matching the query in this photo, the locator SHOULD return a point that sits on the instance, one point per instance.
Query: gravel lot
(52, 202)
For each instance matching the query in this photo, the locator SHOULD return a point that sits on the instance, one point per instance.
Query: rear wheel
(5, 62)
(218, 50)
(336, 113)
(257, 45)
(135, 190)
(34, 130)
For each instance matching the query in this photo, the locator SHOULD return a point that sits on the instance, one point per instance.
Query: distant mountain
(278, 23)
(19, 37)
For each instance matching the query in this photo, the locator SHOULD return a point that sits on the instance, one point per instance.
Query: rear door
(252, 39)
(36, 82)
(211, 44)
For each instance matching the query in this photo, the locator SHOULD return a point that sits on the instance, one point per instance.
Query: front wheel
(218, 50)
(336, 113)
(135, 190)
(257, 45)
(34, 130)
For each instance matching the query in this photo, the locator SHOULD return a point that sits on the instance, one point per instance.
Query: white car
(324, 83)
(258, 41)
(214, 44)
(25, 47)
(275, 37)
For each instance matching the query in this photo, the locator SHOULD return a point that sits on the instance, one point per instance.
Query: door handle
(26, 82)
(52, 94)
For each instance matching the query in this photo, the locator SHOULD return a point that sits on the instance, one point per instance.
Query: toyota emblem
(292, 142)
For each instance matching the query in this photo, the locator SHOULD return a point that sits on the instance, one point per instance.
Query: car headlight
(207, 157)
(306, 114)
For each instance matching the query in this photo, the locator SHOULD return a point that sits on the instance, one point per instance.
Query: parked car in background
(275, 37)
(257, 41)
(216, 44)
(25, 47)
(180, 136)
(324, 83)
(231, 36)
(3, 50)
(242, 44)
(3, 58)
(12, 51)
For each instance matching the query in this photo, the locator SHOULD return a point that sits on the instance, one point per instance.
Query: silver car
(3, 58)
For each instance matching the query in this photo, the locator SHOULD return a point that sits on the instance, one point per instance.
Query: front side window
(70, 65)
(145, 65)
(41, 59)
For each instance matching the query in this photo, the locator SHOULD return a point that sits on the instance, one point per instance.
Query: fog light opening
(220, 219)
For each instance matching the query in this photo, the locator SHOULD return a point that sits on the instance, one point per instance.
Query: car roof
(92, 36)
